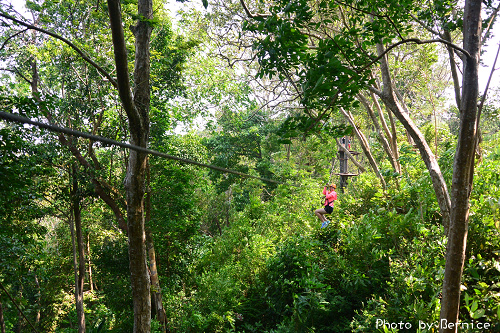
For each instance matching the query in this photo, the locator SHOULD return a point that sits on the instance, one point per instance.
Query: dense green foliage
(381, 258)
(237, 254)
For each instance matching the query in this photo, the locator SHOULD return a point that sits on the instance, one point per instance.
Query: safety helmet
(333, 185)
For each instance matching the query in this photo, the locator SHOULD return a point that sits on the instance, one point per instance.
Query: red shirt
(331, 196)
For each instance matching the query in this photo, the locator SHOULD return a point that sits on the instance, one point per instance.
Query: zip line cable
(53, 128)
(334, 161)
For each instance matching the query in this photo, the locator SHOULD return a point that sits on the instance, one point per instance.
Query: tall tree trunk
(19, 327)
(391, 136)
(79, 264)
(392, 103)
(453, 68)
(136, 106)
(394, 137)
(463, 168)
(38, 299)
(405, 110)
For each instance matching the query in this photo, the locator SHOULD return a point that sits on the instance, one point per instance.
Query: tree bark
(156, 295)
(382, 120)
(136, 106)
(391, 136)
(38, 301)
(394, 137)
(79, 264)
(365, 147)
(453, 67)
(392, 103)
(89, 264)
(463, 168)
(2, 321)
(157, 298)
(385, 143)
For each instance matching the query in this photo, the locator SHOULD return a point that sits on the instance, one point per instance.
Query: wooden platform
(354, 153)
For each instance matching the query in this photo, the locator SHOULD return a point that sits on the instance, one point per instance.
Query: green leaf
(478, 314)
(473, 308)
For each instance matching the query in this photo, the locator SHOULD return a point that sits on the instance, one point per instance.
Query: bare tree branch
(15, 71)
(490, 23)
(249, 14)
(480, 108)
(10, 37)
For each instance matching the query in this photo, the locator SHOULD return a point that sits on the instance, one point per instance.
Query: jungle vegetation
(234, 113)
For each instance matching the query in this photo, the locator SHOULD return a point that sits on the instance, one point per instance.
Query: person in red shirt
(330, 197)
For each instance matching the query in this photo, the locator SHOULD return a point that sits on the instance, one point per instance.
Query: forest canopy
(162, 166)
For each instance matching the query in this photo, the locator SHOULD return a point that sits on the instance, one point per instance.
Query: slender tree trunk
(78, 295)
(136, 105)
(392, 103)
(38, 298)
(218, 225)
(453, 67)
(402, 103)
(365, 147)
(385, 143)
(394, 137)
(391, 136)
(2, 322)
(463, 168)
(79, 265)
(19, 327)
(75, 266)
(89, 264)
(382, 119)
(156, 296)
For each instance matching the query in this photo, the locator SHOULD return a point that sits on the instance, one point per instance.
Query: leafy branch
(70, 44)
